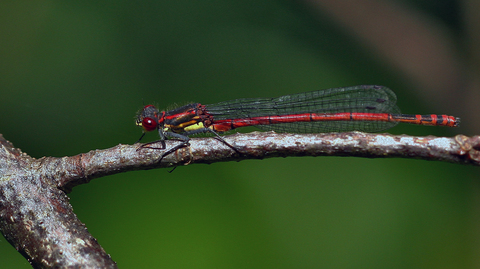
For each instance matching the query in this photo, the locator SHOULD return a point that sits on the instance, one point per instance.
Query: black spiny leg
(218, 137)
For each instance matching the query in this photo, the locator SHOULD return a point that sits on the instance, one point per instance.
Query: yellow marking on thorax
(193, 127)
(181, 129)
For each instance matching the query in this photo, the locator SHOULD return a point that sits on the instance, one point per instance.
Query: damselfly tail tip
(457, 122)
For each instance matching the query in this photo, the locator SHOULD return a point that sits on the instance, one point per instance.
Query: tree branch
(36, 218)
(72, 171)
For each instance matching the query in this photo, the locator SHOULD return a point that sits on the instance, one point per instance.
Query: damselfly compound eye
(149, 124)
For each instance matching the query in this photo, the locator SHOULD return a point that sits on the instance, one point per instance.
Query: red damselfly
(367, 108)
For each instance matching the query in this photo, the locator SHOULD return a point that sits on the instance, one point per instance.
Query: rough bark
(37, 218)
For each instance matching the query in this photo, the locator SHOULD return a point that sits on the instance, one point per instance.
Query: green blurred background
(73, 75)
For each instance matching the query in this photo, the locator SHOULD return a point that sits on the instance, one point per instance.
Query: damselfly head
(148, 118)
